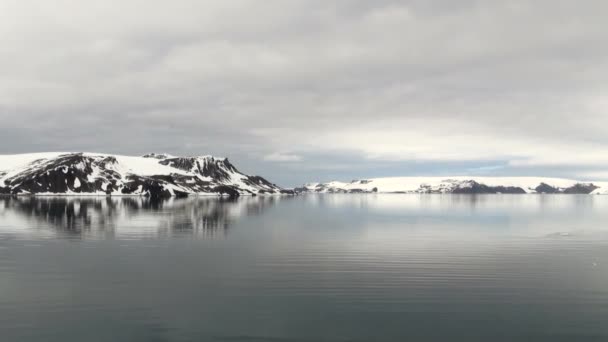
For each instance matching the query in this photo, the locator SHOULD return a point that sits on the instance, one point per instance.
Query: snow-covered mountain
(460, 185)
(155, 175)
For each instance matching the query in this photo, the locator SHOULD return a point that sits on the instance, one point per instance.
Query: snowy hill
(155, 175)
(460, 185)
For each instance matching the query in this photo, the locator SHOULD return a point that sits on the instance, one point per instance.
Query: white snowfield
(15, 163)
(15, 166)
(446, 184)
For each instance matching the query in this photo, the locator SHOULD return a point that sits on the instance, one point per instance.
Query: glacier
(459, 185)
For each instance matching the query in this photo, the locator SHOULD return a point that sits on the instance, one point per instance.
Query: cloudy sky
(313, 90)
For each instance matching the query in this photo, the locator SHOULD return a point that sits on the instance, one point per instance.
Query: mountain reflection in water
(104, 217)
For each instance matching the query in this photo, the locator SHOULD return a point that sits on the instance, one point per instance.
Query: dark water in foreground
(311, 268)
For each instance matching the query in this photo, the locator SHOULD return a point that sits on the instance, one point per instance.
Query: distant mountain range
(154, 175)
(459, 185)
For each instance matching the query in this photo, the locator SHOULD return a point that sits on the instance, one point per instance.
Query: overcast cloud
(313, 90)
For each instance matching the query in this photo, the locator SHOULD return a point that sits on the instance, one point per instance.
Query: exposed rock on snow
(155, 175)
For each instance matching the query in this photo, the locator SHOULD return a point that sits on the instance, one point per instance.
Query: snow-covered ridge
(460, 184)
(162, 175)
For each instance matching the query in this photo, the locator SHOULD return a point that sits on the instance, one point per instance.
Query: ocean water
(307, 268)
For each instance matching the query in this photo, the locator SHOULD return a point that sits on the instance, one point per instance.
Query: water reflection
(306, 268)
(125, 217)
(138, 217)
(530, 215)
(450, 203)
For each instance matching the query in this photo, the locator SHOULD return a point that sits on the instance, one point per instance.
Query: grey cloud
(430, 82)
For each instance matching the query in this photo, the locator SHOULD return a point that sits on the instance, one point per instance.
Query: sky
(314, 90)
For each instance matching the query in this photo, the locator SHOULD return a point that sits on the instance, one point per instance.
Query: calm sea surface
(307, 268)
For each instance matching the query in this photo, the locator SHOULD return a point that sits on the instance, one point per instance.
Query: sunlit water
(307, 268)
